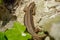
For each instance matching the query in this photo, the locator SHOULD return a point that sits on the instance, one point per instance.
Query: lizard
(28, 20)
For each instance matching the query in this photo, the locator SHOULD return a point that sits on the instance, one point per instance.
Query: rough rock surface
(44, 10)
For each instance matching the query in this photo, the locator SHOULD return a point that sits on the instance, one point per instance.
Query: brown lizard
(28, 20)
